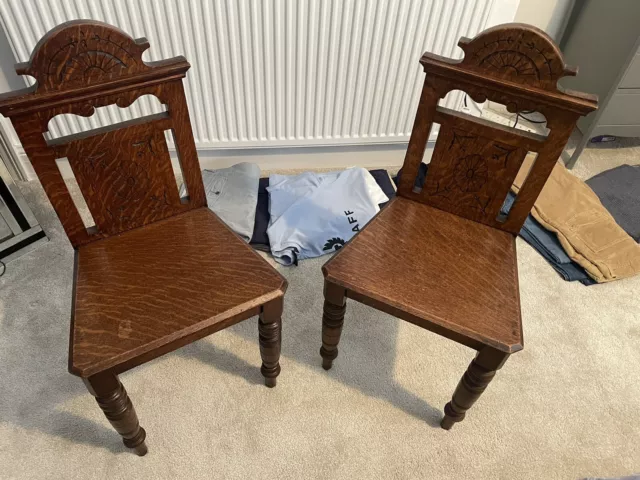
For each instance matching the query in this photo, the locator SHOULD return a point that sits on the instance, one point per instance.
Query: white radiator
(278, 72)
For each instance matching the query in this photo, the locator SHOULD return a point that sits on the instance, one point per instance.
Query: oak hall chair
(441, 255)
(157, 271)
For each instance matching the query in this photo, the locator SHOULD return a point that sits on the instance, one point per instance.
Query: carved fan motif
(124, 170)
(84, 53)
(90, 65)
(522, 54)
(508, 60)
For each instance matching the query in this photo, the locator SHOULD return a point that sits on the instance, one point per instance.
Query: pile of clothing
(300, 216)
(313, 214)
(576, 233)
(588, 232)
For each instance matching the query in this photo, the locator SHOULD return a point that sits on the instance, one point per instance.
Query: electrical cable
(522, 114)
(519, 115)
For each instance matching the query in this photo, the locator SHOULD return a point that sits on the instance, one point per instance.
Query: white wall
(549, 15)
(9, 80)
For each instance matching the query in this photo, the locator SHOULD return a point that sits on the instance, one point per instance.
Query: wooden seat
(442, 255)
(190, 273)
(156, 271)
(422, 261)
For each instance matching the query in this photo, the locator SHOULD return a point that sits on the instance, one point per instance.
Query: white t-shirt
(313, 214)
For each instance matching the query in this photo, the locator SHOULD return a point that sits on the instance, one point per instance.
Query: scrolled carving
(81, 66)
(84, 53)
(518, 53)
(126, 99)
(85, 110)
(442, 86)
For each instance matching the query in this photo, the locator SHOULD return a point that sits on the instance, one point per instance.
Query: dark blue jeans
(547, 244)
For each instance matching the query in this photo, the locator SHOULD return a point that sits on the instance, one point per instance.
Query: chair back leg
(335, 306)
(270, 336)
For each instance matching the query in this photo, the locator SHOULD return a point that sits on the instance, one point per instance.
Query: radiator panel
(277, 73)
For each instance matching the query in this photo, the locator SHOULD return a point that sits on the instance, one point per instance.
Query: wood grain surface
(125, 176)
(83, 51)
(472, 169)
(156, 271)
(442, 255)
(123, 170)
(446, 272)
(517, 53)
(515, 65)
(154, 289)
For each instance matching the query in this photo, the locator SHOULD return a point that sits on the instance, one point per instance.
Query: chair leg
(117, 407)
(270, 335)
(474, 381)
(335, 306)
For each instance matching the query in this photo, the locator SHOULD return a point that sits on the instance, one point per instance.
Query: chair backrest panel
(125, 175)
(472, 169)
(475, 161)
(124, 171)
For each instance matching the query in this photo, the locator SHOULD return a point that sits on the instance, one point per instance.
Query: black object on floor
(260, 240)
(619, 192)
(420, 178)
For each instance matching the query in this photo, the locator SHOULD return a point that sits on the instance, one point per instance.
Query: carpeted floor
(567, 406)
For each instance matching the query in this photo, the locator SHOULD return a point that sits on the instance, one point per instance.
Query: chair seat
(156, 288)
(446, 273)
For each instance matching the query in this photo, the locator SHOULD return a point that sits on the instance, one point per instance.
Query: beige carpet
(566, 407)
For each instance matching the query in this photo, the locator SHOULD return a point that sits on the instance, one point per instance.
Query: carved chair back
(475, 161)
(124, 171)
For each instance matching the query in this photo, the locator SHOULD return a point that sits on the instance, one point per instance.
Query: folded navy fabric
(260, 240)
(619, 191)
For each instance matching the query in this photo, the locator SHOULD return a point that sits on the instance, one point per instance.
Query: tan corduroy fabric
(587, 231)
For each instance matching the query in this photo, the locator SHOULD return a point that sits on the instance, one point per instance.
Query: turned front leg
(474, 381)
(335, 306)
(117, 407)
(270, 336)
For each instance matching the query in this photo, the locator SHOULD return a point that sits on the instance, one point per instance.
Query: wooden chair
(442, 256)
(157, 271)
